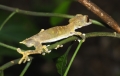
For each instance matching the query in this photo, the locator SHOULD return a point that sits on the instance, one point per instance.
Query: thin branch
(25, 69)
(11, 63)
(105, 34)
(8, 46)
(99, 12)
(5, 21)
(42, 13)
(88, 35)
(73, 57)
(34, 13)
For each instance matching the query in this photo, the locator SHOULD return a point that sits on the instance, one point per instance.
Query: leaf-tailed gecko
(53, 34)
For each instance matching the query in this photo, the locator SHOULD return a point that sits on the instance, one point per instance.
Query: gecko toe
(24, 57)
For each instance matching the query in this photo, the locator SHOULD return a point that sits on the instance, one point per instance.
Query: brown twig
(99, 12)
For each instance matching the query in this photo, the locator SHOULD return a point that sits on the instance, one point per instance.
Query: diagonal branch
(99, 12)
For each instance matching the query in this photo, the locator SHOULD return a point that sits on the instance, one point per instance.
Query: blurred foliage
(61, 8)
(16, 29)
(1, 73)
(21, 26)
(92, 60)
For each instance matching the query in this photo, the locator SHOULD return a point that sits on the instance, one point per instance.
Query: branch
(42, 14)
(10, 63)
(5, 21)
(8, 46)
(88, 35)
(99, 12)
(34, 13)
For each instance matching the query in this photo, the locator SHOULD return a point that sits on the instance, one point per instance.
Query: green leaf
(62, 62)
(62, 8)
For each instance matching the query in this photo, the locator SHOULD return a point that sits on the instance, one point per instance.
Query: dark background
(99, 56)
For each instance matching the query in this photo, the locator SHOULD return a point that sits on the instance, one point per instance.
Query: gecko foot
(46, 49)
(25, 56)
(83, 37)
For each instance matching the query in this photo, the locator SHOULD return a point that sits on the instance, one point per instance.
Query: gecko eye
(87, 19)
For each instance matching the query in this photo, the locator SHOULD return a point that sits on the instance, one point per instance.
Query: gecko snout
(22, 42)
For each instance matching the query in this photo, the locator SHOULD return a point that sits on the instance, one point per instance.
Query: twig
(73, 57)
(99, 12)
(5, 21)
(105, 34)
(42, 13)
(25, 69)
(88, 35)
(11, 63)
(8, 46)
(34, 13)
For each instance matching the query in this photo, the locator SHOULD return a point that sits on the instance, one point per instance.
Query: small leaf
(62, 8)
(62, 62)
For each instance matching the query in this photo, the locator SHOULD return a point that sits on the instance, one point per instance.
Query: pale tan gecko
(53, 34)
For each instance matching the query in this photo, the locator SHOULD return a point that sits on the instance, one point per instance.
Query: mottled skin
(53, 34)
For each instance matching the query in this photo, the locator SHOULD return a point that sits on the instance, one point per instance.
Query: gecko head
(28, 42)
(80, 21)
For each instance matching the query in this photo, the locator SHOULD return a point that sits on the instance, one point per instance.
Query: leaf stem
(5, 21)
(73, 57)
(25, 69)
(7, 46)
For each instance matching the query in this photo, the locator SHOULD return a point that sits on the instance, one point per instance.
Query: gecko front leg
(45, 50)
(82, 35)
(25, 55)
(38, 50)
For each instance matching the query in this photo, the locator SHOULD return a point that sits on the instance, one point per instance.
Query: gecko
(53, 34)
